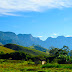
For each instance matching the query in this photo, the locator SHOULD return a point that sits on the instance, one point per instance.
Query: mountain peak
(60, 37)
(12, 33)
(25, 35)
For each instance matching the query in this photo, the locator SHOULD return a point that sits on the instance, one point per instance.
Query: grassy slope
(6, 50)
(37, 47)
(25, 49)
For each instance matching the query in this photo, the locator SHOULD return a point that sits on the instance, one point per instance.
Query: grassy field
(28, 66)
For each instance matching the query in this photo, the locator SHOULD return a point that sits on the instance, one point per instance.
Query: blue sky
(41, 18)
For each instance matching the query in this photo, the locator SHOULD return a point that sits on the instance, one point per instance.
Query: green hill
(38, 47)
(6, 50)
(25, 49)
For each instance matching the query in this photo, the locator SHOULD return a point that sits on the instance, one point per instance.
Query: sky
(41, 18)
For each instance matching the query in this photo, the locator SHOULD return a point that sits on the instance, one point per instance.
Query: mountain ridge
(29, 40)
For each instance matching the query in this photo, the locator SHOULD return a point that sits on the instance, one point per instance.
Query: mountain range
(29, 40)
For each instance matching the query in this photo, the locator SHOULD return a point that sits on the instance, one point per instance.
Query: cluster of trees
(18, 55)
(62, 55)
(15, 56)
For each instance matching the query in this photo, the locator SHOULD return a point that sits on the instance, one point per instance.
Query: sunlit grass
(6, 50)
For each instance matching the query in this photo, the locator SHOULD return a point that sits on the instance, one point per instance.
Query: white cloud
(11, 14)
(55, 34)
(68, 36)
(40, 36)
(9, 6)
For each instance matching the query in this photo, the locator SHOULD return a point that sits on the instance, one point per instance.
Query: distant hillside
(25, 49)
(38, 47)
(6, 50)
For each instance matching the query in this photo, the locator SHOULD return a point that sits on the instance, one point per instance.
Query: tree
(62, 51)
(61, 54)
(65, 50)
(53, 50)
(71, 53)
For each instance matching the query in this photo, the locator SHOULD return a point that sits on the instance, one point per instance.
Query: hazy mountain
(21, 39)
(29, 40)
(59, 42)
(8, 37)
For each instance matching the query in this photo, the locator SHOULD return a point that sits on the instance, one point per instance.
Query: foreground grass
(26, 66)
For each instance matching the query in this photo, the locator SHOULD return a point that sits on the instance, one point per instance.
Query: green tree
(62, 51)
(61, 54)
(71, 53)
(53, 50)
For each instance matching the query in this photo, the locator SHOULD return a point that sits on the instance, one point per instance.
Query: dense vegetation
(29, 59)
(61, 56)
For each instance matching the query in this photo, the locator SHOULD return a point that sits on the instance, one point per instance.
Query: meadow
(29, 66)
